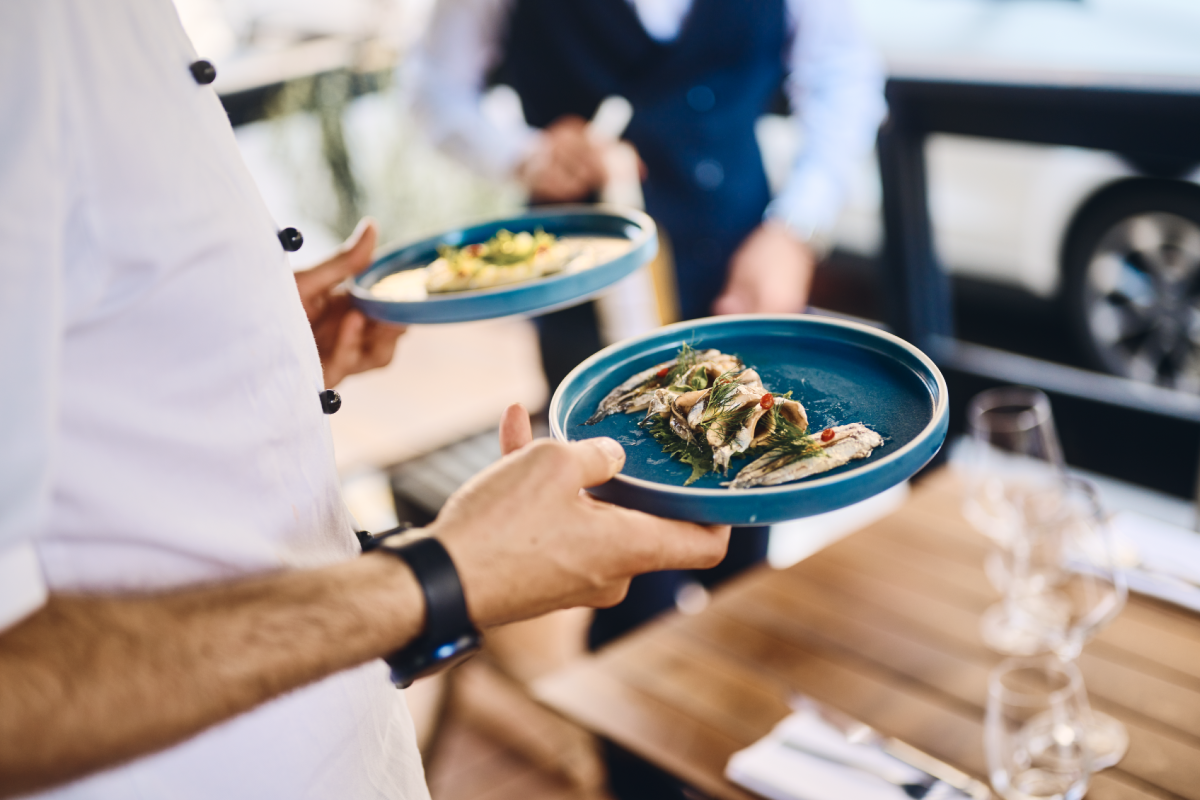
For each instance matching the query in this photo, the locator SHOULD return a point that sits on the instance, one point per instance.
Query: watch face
(453, 657)
(417, 662)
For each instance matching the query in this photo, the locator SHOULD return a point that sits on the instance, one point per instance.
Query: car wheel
(1132, 270)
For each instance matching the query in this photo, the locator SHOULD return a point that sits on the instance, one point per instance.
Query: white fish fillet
(849, 442)
(631, 396)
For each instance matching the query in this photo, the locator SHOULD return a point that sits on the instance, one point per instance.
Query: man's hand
(526, 540)
(347, 341)
(567, 165)
(771, 272)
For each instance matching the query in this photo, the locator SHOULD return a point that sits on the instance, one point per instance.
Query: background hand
(347, 341)
(526, 541)
(567, 166)
(771, 272)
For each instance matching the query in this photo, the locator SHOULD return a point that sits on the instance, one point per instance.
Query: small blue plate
(841, 371)
(536, 296)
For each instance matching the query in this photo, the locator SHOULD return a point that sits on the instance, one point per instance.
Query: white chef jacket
(160, 423)
(835, 86)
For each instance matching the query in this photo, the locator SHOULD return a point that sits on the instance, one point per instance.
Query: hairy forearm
(89, 682)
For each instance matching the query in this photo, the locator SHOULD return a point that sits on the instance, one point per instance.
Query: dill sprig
(788, 441)
(733, 421)
(695, 454)
(724, 389)
(685, 360)
(719, 414)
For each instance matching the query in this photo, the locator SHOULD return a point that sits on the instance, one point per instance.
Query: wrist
(816, 241)
(533, 157)
(448, 634)
(488, 595)
(398, 604)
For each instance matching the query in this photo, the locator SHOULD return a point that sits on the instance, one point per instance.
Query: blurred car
(1116, 243)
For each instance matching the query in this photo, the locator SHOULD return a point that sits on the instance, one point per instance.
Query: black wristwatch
(449, 635)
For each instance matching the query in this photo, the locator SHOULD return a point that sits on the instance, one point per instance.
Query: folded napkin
(1168, 558)
(806, 758)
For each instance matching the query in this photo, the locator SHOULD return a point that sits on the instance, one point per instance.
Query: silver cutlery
(915, 789)
(857, 732)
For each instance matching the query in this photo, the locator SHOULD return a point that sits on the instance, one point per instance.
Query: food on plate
(504, 259)
(790, 460)
(683, 371)
(706, 408)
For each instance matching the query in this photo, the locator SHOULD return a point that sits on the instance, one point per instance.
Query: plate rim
(644, 222)
(941, 407)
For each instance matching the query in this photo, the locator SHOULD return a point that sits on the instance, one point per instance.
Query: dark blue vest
(695, 102)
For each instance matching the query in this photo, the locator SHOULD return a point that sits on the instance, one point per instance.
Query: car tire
(1132, 283)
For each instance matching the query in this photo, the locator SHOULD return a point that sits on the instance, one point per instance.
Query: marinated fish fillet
(639, 392)
(756, 429)
(707, 408)
(848, 442)
(728, 417)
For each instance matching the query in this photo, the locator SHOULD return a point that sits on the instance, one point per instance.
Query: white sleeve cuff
(22, 587)
(809, 204)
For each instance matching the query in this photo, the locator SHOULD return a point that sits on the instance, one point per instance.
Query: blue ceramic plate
(536, 296)
(841, 371)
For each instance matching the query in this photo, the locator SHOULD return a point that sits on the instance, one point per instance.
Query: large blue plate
(537, 296)
(841, 371)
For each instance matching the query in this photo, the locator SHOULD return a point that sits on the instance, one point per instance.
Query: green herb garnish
(697, 456)
(788, 442)
(722, 418)
(719, 414)
(724, 389)
(683, 362)
(730, 422)
(505, 249)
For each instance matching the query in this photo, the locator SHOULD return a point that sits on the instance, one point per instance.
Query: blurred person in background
(699, 74)
(185, 610)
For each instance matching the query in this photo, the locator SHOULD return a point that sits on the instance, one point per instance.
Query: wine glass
(1013, 445)
(1081, 587)
(1034, 730)
(1013, 449)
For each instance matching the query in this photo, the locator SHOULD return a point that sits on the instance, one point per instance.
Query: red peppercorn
(827, 435)
(767, 401)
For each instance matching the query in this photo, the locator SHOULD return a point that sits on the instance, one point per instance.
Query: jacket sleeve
(33, 209)
(835, 85)
(446, 79)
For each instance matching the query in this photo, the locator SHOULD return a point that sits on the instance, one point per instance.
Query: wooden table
(883, 625)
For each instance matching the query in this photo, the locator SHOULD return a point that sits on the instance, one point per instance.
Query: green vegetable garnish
(788, 442)
(505, 249)
(697, 456)
(683, 362)
(724, 416)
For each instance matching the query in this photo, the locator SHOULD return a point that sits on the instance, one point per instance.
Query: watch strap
(449, 633)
